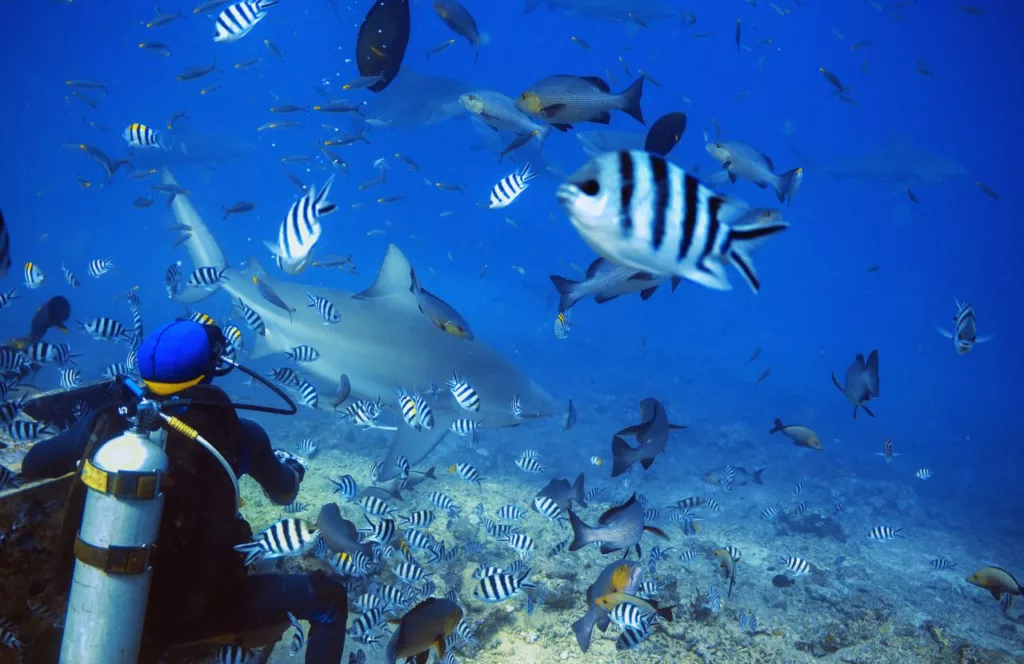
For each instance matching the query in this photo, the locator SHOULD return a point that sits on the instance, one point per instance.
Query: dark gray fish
(361, 82)
(764, 374)
(570, 418)
(651, 433)
(272, 297)
(344, 391)
(156, 46)
(461, 22)
(620, 527)
(338, 107)
(440, 47)
(192, 73)
(861, 384)
(665, 133)
(238, 208)
(296, 181)
(163, 19)
(171, 189)
(273, 48)
(756, 354)
(339, 533)
(55, 312)
(606, 281)
(563, 493)
(440, 313)
(417, 477)
(382, 40)
(563, 100)
(288, 108)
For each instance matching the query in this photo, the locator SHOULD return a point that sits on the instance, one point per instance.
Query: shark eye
(590, 187)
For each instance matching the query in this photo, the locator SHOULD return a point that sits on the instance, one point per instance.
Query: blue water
(958, 415)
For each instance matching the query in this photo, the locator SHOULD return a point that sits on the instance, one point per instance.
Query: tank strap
(123, 484)
(127, 560)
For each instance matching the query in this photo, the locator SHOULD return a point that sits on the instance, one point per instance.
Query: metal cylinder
(107, 606)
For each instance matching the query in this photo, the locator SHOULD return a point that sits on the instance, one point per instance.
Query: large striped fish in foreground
(237, 20)
(301, 230)
(642, 212)
(381, 340)
(965, 330)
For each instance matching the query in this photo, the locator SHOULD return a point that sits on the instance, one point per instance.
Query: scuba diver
(200, 590)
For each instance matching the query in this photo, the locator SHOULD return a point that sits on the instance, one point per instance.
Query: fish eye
(590, 187)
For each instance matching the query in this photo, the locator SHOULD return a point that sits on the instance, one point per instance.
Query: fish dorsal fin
(594, 267)
(768, 161)
(614, 511)
(395, 279)
(598, 82)
(254, 268)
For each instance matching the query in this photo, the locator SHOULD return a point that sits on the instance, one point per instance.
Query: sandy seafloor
(885, 605)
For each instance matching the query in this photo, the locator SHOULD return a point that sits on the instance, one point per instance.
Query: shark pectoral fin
(980, 340)
(254, 267)
(944, 332)
(395, 279)
(413, 445)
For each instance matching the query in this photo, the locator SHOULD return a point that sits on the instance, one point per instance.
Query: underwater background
(872, 260)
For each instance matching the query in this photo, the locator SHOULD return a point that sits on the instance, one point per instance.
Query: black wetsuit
(200, 587)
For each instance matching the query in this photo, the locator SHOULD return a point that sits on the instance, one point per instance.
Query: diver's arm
(279, 479)
(58, 455)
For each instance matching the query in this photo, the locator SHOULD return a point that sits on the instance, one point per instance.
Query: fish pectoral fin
(656, 531)
(732, 177)
(762, 185)
(602, 118)
(676, 427)
(439, 645)
(977, 340)
(601, 299)
(551, 111)
(562, 127)
(63, 328)
(867, 410)
(836, 383)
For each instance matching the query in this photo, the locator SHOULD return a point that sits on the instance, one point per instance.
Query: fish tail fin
(630, 99)
(526, 174)
(742, 242)
(787, 184)
(566, 291)
(581, 532)
(579, 491)
(622, 456)
(542, 135)
(252, 550)
(779, 426)
(264, 4)
(756, 476)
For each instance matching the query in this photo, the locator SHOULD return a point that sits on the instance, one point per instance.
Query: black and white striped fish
(69, 277)
(510, 513)
(419, 540)
(117, 369)
(9, 479)
(374, 506)
(307, 447)
(509, 187)
(689, 556)
(29, 430)
(443, 501)
(34, 276)
(965, 329)
(522, 543)
(640, 211)
(105, 329)
(937, 563)
(363, 413)
(549, 509)
(303, 354)
(418, 519)
(70, 377)
(298, 641)
(887, 450)
(468, 472)
(309, 394)
(407, 407)
(287, 537)
(43, 612)
(172, 279)
(464, 393)
(206, 277)
(286, 375)
(404, 467)
(252, 318)
(99, 267)
(840, 507)
(410, 572)
(42, 352)
(366, 623)
(301, 230)
(516, 408)
(467, 428)
(140, 136)
(424, 413)
(238, 19)
(202, 319)
(296, 507)
(499, 587)
(884, 533)
(798, 566)
(236, 654)
(798, 488)
(382, 531)
(770, 513)
(346, 486)
(801, 508)
(324, 307)
(630, 616)
(530, 464)
(923, 474)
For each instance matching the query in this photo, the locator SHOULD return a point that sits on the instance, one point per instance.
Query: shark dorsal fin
(255, 268)
(395, 279)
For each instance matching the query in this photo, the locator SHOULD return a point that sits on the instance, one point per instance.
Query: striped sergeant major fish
(328, 312)
(884, 533)
(510, 187)
(562, 325)
(238, 19)
(172, 279)
(887, 450)
(798, 566)
(105, 329)
(499, 587)
(70, 277)
(29, 430)
(252, 318)
(206, 277)
(640, 211)
(301, 229)
(8, 297)
(464, 393)
(287, 537)
(965, 330)
(140, 136)
(98, 267)
(34, 276)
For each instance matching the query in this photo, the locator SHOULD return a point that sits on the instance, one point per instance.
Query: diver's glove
(293, 461)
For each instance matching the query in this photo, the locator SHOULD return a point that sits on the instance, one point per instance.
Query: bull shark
(382, 342)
